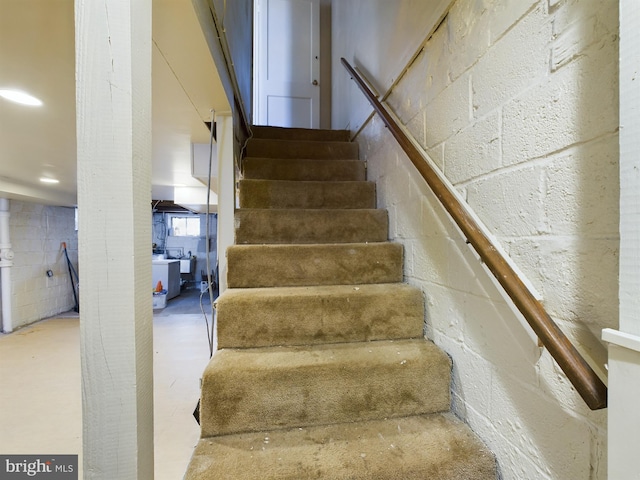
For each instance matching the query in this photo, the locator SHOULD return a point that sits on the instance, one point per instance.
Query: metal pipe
(6, 262)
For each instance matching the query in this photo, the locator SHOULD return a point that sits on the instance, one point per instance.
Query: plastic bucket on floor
(159, 299)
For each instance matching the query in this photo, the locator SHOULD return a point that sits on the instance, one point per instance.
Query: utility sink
(187, 265)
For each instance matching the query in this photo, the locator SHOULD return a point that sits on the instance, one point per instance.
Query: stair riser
(304, 170)
(259, 389)
(258, 226)
(297, 316)
(259, 147)
(306, 265)
(283, 194)
(278, 133)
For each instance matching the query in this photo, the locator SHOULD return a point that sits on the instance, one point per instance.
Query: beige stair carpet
(260, 317)
(256, 226)
(279, 387)
(322, 369)
(306, 194)
(430, 447)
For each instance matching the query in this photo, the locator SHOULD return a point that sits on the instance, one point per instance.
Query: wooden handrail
(580, 374)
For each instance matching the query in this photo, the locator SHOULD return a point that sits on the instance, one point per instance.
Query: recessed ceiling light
(20, 97)
(49, 180)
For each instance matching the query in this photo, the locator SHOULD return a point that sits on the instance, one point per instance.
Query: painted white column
(226, 193)
(624, 344)
(6, 262)
(113, 117)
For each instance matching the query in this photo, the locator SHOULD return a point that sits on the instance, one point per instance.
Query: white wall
(517, 102)
(37, 233)
(381, 38)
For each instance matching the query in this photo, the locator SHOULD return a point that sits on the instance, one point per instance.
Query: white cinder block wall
(517, 102)
(37, 232)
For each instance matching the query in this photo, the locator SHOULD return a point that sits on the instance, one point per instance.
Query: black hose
(72, 270)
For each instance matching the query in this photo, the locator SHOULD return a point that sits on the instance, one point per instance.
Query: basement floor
(40, 399)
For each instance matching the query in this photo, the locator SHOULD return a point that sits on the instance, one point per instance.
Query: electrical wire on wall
(210, 329)
(51, 268)
(74, 282)
(210, 281)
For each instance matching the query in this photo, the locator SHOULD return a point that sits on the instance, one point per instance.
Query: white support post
(624, 348)
(6, 262)
(226, 193)
(113, 117)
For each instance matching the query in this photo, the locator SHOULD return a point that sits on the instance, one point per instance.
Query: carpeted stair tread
(319, 135)
(258, 317)
(282, 387)
(434, 447)
(259, 225)
(303, 169)
(318, 264)
(306, 194)
(278, 148)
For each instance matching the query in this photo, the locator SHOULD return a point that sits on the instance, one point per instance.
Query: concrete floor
(40, 400)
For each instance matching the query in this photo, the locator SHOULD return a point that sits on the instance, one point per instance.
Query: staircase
(322, 369)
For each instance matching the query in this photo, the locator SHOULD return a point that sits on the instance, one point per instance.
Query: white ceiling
(37, 55)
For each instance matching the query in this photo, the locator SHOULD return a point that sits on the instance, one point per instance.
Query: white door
(287, 63)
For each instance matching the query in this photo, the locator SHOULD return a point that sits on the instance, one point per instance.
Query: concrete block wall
(37, 232)
(517, 103)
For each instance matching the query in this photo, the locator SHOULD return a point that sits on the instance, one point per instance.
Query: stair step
(436, 446)
(283, 387)
(260, 131)
(275, 148)
(303, 169)
(251, 266)
(285, 194)
(256, 226)
(259, 317)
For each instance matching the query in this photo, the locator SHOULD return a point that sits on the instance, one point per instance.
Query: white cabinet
(167, 272)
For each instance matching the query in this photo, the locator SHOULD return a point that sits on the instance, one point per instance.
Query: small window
(185, 226)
